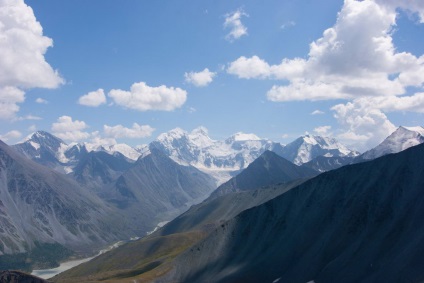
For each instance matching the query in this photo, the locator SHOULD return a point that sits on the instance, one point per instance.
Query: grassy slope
(142, 260)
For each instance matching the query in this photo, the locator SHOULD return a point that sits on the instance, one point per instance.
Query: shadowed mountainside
(360, 223)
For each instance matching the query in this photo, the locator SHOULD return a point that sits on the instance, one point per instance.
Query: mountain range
(107, 199)
(149, 184)
(359, 223)
(220, 159)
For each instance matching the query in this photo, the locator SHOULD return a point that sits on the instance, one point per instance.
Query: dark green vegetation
(12, 276)
(40, 257)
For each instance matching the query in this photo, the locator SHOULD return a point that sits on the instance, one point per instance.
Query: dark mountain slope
(324, 163)
(267, 169)
(155, 189)
(98, 169)
(359, 223)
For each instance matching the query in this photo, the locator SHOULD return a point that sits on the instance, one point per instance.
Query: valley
(162, 184)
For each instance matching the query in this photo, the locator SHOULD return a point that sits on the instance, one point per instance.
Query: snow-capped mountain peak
(401, 139)
(308, 147)
(173, 134)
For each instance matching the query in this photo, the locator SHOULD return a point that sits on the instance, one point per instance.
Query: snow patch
(35, 145)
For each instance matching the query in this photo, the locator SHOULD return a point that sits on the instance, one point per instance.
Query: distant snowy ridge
(221, 159)
(401, 139)
(308, 147)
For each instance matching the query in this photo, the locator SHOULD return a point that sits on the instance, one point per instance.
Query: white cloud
(200, 79)
(257, 68)
(12, 135)
(137, 131)
(93, 98)
(323, 130)
(233, 22)
(362, 123)
(22, 62)
(317, 112)
(41, 101)
(414, 6)
(9, 99)
(143, 97)
(355, 60)
(356, 57)
(23, 46)
(67, 129)
(97, 140)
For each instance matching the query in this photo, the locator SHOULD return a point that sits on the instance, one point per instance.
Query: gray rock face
(39, 205)
(359, 223)
(267, 169)
(99, 169)
(42, 147)
(324, 164)
(155, 189)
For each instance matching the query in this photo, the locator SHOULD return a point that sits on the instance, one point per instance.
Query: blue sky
(109, 71)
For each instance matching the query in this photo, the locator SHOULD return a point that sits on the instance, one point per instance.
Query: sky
(109, 71)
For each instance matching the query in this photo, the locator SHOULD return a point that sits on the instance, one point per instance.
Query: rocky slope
(267, 169)
(360, 223)
(40, 206)
(155, 189)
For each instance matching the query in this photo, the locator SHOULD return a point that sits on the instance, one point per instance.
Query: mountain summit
(399, 140)
(221, 159)
(308, 147)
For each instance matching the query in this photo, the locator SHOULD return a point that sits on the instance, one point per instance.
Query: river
(49, 273)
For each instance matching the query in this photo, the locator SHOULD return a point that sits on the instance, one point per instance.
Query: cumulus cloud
(355, 57)
(12, 135)
(97, 140)
(200, 79)
(9, 99)
(142, 97)
(323, 130)
(414, 6)
(257, 68)
(234, 24)
(41, 101)
(137, 131)
(22, 49)
(93, 98)
(354, 60)
(68, 129)
(362, 123)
